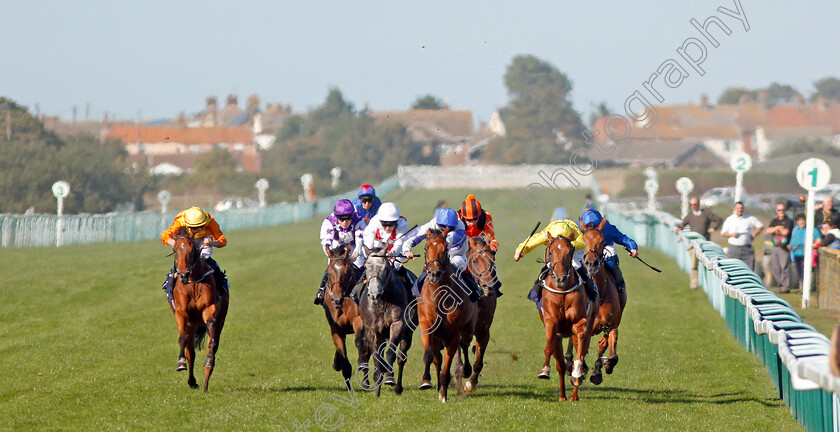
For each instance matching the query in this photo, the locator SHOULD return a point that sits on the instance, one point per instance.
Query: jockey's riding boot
(474, 289)
(536, 292)
(356, 294)
(221, 279)
(418, 284)
(319, 296)
(619, 278)
(588, 283)
(168, 286)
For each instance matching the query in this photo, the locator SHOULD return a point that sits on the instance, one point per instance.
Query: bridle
(436, 275)
(559, 282)
(599, 254)
(192, 260)
(344, 278)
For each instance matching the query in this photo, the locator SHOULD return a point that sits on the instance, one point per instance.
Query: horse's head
(481, 260)
(436, 255)
(186, 256)
(378, 269)
(593, 237)
(339, 274)
(559, 259)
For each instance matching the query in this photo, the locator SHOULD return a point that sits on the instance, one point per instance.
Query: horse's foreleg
(612, 360)
(570, 354)
(482, 338)
(550, 334)
(340, 362)
(191, 358)
(581, 330)
(561, 366)
(596, 377)
(428, 358)
(183, 337)
(445, 372)
(395, 336)
(361, 347)
(402, 358)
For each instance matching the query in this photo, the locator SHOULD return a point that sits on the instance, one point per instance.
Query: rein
(194, 261)
(566, 275)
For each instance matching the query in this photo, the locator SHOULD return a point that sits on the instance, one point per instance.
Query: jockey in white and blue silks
(457, 248)
(611, 236)
(343, 227)
(367, 203)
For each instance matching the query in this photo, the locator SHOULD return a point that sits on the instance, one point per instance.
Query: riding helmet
(389, 212)
(470, 208)
(367, 190)
(343, 207)
(195, 217)
(590, 216)
(446, 217)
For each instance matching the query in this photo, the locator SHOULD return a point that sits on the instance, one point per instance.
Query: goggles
(389, 223)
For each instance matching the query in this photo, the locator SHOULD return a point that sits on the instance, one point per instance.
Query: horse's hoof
(425, 385)
(443, 399)
(545, 373)
(389, 381)
(561, 399)
(468, 370)
(193, 385)
(398, 390)
(596, 379)
(182, 365)
(336, 367)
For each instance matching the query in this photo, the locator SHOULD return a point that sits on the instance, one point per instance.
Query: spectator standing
(797, 245)
(740, 229)
(780, 229)
(700, 220)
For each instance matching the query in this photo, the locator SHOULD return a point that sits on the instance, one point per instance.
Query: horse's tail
(200, 335)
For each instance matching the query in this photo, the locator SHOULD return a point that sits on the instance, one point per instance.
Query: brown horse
(341, 311)
(611, 304)
(481, 261)
(566, 312)
(446, 316)
(199, 309)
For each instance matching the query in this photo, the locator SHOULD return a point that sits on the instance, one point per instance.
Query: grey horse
(382, 306)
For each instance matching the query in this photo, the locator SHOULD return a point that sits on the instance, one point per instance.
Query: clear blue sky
(159, 58)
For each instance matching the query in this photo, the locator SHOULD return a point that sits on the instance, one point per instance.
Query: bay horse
(446, 316)
(612, 301)
(341, 311)
(481, 261)
(199, 309)
(382, 305)
(566, 312)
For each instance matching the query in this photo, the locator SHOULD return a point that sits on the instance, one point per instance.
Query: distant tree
(600, 110)
(538, 109)
(732, 95)
(780, 93)
(828, 87)
(428, 102)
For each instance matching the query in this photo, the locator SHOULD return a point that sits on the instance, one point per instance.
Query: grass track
(88, 343)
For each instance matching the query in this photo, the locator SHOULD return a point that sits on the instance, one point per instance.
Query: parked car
(726, 195)
(797, 205)
(236, 203)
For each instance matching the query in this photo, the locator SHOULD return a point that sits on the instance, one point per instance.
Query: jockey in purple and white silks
(343, 227)
(457, 248)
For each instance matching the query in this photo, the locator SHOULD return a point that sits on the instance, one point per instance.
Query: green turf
(87, 342)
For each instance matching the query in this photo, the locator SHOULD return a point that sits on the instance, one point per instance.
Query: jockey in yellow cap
(206, 233)
(565, 228)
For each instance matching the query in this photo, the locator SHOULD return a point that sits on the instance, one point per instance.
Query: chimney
(210, 112)
(253, 102)
(821, 103)
(744, 99)
(798, 99)
(180, 121)
(762, 99)
(231, 100)
(704, 101)
(211, 103)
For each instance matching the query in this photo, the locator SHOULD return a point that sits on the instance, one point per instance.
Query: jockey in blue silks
(343, 227)
(611, 236)
(457, 248)
(367, 203)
